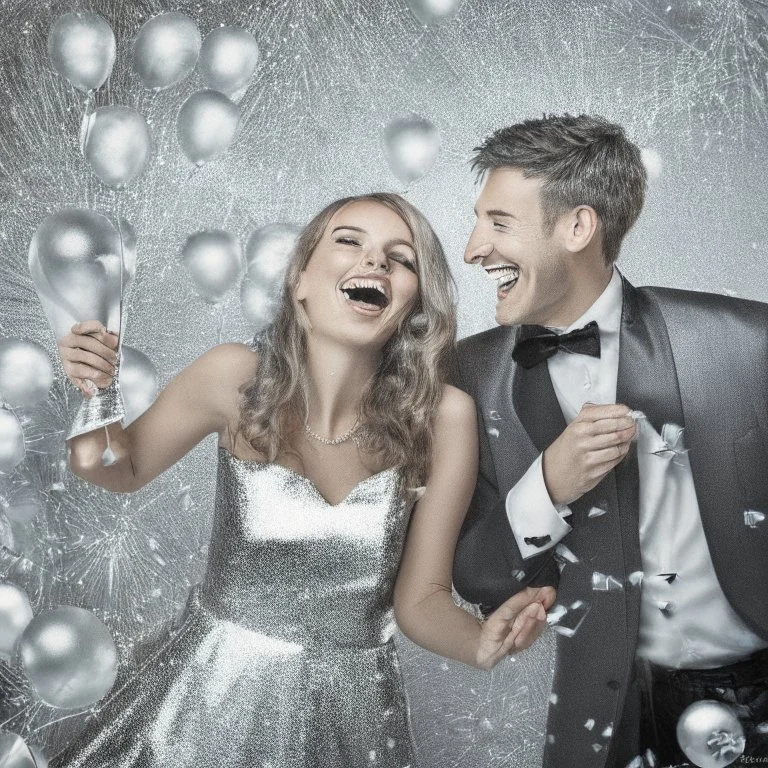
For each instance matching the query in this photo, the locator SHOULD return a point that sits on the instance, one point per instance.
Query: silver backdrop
(687, 79)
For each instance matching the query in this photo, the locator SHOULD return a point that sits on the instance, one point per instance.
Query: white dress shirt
(686, 621)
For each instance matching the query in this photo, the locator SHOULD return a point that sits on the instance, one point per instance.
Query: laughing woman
(336, 437)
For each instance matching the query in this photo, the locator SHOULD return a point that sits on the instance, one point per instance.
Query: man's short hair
(582, 160)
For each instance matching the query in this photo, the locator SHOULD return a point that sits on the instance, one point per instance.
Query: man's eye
(499, 225)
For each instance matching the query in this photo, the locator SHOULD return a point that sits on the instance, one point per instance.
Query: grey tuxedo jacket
(698, 360)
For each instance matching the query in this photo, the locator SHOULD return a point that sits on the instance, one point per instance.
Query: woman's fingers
(81, 371)
(93, 360)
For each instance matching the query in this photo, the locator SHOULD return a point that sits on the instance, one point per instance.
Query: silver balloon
(15, 615)
(82, 49)
(26, 373)
(117, 144)
(23, 506)
(41, 759)
(14, 753)
(12, 449)
(166, 50)
(268, 250)
(710, 734)
(139, 383)
(228, 58)
(69, 657)
(411, 145)
(74, 260)
(259, 305)
(214, 261)
(206, 125)
(434, 11)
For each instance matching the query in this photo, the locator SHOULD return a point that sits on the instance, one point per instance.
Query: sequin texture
(283, 657)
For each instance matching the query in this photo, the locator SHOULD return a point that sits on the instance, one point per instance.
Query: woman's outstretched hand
(514, 625)
(89, 356)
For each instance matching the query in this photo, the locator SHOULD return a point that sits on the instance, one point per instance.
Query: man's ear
(581, 227)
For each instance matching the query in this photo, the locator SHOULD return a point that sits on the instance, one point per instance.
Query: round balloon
(14, 753)
(710, 734)
(267, 251)
(139, 383)
(12, 449)
(74, 261)
(69, 657)
(24, 505)
(82, 49)
(434, 11)
(166, 50)
(206, 125)
(228, 58)
(117, 144)
(26, 373)
(214, 261)
(15, 615)
(259, 305)
(411, 145)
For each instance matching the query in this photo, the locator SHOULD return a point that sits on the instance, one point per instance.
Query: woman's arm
(424, 608)
(203, 398)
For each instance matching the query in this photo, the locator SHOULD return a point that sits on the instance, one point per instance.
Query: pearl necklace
(336, 440)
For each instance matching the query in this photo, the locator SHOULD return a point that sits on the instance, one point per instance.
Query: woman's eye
(405, 261)
(347, 241)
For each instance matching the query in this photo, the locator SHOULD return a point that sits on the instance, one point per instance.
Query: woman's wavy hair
(399, 404)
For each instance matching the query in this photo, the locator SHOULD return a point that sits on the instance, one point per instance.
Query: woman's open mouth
(370, 295)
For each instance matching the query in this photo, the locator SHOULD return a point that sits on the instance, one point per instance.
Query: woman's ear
(300, 292)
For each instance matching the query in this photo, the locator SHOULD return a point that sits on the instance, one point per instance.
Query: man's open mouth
(504, 275)
(369, 294)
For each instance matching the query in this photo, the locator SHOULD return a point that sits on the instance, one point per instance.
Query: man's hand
(514, 625)
(587, 450)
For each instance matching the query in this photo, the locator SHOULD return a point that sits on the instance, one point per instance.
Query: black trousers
(664, 693)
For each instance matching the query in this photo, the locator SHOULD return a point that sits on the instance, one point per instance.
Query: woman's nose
(375, 260)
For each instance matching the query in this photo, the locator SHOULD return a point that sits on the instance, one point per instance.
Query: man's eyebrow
(498, 212)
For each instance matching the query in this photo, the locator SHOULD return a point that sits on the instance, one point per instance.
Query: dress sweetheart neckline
(304, 478)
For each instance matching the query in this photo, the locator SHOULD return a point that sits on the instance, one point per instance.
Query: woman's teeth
(368, 292)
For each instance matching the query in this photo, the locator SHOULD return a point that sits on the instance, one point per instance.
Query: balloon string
(220, 314)
(87, 121)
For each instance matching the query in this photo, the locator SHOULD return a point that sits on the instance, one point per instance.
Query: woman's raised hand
(514, 625)
(89, 356)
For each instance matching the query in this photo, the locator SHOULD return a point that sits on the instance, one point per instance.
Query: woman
(329, 426)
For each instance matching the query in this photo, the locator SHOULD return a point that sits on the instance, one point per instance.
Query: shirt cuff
(536, 522)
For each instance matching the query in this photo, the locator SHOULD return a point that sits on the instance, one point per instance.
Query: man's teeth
(504, 276)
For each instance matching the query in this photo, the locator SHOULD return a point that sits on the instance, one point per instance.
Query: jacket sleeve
(488, 567)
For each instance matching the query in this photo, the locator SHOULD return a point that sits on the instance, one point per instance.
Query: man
(624, 450)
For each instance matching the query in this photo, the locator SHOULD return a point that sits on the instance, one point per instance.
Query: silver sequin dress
(283, 657)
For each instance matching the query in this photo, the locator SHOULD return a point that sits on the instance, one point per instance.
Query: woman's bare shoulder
(455, 404)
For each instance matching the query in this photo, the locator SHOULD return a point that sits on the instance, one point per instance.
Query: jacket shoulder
(714, 304)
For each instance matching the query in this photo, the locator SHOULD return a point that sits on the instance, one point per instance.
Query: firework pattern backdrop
(687, 79)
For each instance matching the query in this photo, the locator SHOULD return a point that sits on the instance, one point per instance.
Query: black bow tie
(537, 343)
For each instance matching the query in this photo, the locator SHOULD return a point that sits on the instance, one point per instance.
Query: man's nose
(476, 250)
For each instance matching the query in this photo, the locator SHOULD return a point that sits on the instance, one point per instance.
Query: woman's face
(362, 277)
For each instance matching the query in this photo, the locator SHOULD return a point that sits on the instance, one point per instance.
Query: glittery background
(687, 79)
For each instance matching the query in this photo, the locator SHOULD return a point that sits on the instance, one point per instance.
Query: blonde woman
(336, 436)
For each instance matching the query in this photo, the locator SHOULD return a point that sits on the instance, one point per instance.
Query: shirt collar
(606, 309)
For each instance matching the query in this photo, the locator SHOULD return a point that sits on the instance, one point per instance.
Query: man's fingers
(592, 412)
(609, 439)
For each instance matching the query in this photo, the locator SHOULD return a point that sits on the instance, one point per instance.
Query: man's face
(531, 271)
